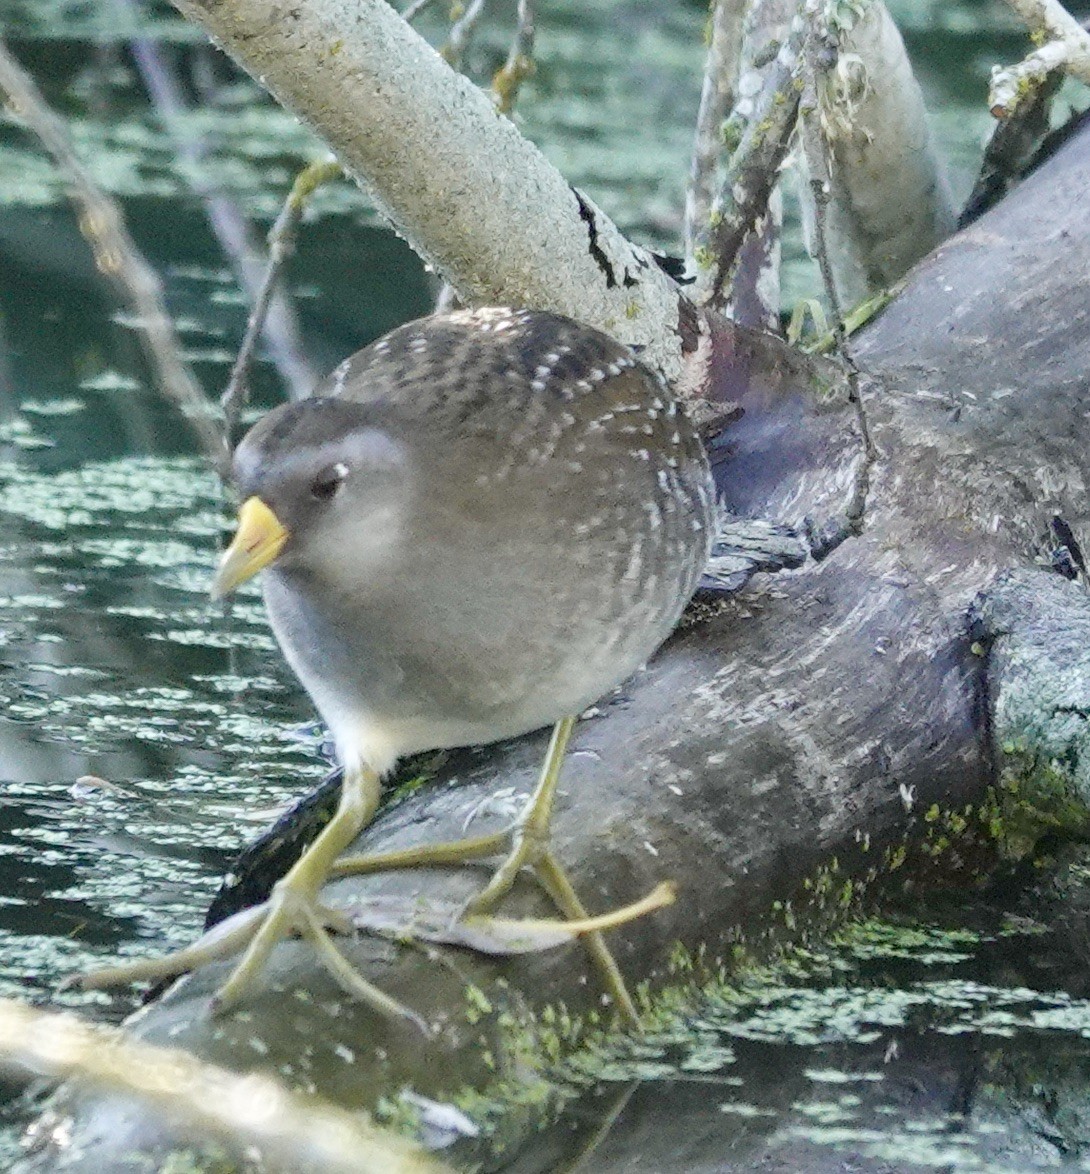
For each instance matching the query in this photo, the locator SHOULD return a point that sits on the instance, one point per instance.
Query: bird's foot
(530, 849)
(524, 850)
(527, 845)
(291, 911)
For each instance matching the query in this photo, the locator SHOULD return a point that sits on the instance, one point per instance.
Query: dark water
(962, 1052)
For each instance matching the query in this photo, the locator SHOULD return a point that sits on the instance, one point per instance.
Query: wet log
(815, 727)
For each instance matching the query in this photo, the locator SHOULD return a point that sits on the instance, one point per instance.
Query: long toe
(293, 910)
(222, 941)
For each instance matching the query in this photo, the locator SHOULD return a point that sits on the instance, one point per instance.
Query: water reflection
(116, 665)
(113, 663)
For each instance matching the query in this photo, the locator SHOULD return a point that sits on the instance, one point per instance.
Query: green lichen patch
(1036, 799)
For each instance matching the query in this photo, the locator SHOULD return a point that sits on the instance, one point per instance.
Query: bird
(475, 527)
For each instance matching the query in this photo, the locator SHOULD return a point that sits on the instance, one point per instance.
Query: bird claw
(288, 913)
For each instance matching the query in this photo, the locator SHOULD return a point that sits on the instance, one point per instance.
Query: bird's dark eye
(328, 481)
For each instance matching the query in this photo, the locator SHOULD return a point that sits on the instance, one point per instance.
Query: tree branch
(1062, 44)
(477, 201)
(281, 246)
(520, 61)
(716, 98)
(823, 543)
(762, 136)
(889, 202)
(201, 1101)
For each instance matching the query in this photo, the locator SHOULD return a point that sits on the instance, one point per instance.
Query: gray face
(337, 481)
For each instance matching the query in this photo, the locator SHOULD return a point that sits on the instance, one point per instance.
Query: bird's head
(324, 490)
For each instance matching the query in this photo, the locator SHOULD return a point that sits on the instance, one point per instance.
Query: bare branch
(479, 202)
(830, 536)
(755, 283)
(1062, 44)
(453, 52)
(413, 10)
(205, 1101)
(1011, 85)
(716, 98)
(461, 33)
(281, 246)
(889, 202)
(1012, 146)
(117, 258)
(763, 137)
(234, 233)
(505, 87)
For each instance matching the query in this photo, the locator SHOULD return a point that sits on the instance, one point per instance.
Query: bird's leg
(292, 908)
(527, 833)
(530, 834)
(530, 846)
(293, 905)
(527, 843)
(554, 880)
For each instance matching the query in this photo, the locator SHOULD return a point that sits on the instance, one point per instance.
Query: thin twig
(520, 61)
(413, 10)
(281, 246)
(763, 138)
(461, 33)
(202, 1101)
(817, 163)
(233, 232)
(725, 25)
(754, 298)
(117, 258)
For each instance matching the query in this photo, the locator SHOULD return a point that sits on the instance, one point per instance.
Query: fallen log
(792, 741)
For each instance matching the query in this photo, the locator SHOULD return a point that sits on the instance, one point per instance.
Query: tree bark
(473, 197)
(889, 201)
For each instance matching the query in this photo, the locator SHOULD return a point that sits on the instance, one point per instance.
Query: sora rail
(475, 527)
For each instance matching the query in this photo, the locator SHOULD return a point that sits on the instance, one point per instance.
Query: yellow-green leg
(292, 908)
(530, 835)
(527, 845)
(554, 880)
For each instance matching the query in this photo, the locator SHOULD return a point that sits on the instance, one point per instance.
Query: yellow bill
(258, 541)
